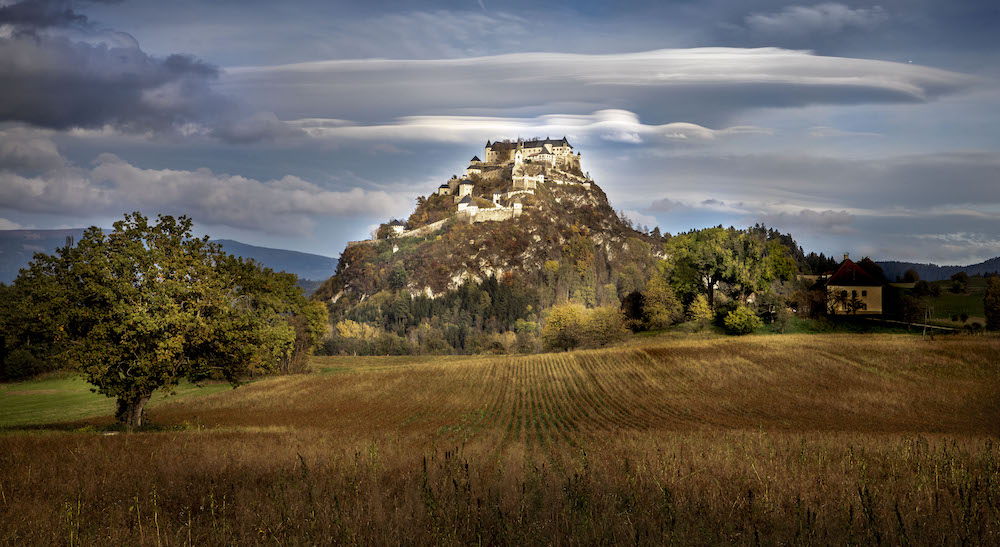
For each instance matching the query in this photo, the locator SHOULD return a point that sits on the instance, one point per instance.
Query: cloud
(693, 84)
(962, 247)
(641, 219)
(611, 125)
(260, 126)
(822, 131)
(692, 204)
(808, 220)
(826, 18)
(58, 71)
(57, 82)
(887, 207)
(288, 205)
(41, 14)
(25, 149)
(9, 224)
(665, 205)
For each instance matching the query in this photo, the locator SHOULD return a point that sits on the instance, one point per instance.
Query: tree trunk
(131, 411)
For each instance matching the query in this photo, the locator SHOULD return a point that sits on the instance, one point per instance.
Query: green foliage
(991, 303)
(742, 262)
(661, 307)
(149, 305)
(569, 325)
(603, 326)
(563, 328)
(399, 277)
(742, 320)
(525, 327)
(700, 312)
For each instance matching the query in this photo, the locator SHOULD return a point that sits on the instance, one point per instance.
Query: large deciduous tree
(743, 263)
(148, 305)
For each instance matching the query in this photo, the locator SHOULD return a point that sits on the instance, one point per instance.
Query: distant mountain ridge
(933, 272)
(17, 247)
(305, 265)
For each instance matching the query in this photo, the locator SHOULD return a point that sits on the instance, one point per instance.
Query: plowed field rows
(851, 440)
(890, 383)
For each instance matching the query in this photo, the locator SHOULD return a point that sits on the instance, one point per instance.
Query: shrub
(700, 312)
(563, 327)
(603, 326)
(662, 308)
(723, 310)
(742, 320)
(782, 319)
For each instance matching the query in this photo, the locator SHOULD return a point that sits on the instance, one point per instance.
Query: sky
(859, 127)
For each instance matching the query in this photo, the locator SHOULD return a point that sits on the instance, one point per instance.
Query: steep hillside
(567, 240)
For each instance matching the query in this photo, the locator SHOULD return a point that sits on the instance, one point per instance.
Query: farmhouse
(851, 290)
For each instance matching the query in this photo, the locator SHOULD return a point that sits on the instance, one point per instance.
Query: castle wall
(491, 215)
(491, 174)
(424, 230)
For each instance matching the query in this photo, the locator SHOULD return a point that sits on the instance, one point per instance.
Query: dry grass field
(769, 439)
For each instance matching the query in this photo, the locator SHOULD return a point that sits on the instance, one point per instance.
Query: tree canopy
(742, 262)
(148, 305)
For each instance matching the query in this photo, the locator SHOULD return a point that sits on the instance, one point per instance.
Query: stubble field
(768, 439)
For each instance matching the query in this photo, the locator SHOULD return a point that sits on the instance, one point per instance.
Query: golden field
(768, 439)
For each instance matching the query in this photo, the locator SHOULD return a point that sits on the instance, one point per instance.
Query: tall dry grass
(798, 439)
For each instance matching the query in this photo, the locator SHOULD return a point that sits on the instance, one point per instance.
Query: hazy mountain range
(17, 247)
(933, 272)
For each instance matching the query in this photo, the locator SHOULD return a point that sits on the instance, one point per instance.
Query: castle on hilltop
(498, 188)
(555, 153)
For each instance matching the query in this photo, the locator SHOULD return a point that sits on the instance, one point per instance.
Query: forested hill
(933, 272)
(17, 247)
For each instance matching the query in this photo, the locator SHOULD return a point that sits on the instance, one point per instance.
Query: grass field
(61, 398)
(770, 439)
(950, 303)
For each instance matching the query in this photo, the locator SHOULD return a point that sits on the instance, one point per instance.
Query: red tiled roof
(850, 274)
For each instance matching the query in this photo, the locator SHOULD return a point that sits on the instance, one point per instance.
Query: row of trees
(147, 305)
(747, 266)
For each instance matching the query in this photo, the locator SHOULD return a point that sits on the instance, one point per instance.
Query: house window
(864, 293)
(854, 294)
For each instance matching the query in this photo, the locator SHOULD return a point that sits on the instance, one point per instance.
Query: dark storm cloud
(58, 82)
(58, 77)
(40, 14)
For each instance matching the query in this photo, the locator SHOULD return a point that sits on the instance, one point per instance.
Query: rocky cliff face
(568, 241)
